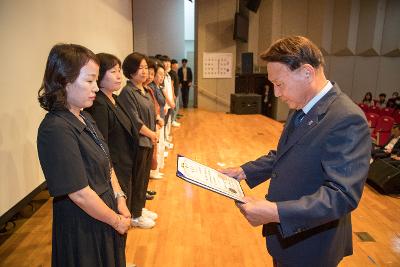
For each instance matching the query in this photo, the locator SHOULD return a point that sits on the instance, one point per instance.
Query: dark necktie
(298, 117)
(296, 120)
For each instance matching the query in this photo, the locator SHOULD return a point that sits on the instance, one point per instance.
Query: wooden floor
(199, 228)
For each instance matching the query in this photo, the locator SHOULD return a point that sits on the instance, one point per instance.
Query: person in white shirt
(170, 99)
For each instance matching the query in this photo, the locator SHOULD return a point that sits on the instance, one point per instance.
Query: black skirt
(81, 240)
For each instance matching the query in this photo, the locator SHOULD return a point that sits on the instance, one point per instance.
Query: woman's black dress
(121, 137)
(71, 160)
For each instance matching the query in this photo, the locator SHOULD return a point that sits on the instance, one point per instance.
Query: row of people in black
(96, 149)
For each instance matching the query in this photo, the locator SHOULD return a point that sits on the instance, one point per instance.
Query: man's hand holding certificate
(208, 178)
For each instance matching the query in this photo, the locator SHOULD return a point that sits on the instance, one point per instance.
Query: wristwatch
(119, 194)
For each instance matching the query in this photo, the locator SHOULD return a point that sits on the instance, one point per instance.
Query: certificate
(208, 178)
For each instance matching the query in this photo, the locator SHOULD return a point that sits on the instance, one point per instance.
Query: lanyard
(97, 141)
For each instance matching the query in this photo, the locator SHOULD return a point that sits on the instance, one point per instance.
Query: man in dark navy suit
(319, 169)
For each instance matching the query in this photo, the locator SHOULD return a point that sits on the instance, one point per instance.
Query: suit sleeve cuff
(290, 223)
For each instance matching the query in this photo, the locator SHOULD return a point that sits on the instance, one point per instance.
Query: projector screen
(28, 30)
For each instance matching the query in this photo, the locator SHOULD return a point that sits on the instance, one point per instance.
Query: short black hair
(174, 61)
(152, 62)
(155, 63)
(184, 60)
(63, 66)
(382, 94)
(159, 64)
(107, 62)
(131, 64)
(165, 58)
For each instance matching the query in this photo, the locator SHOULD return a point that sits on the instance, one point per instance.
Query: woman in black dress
(118, 131)
(139, 106)
(88, 222)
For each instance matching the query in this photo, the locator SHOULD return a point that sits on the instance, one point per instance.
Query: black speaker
(385, 177)
(245, 104)
(247, 63)
(253, 5)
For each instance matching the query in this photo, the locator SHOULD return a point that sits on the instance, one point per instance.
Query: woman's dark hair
(158, 64)
(107, 62)
(294, 51)
(155, 64)
(63, 66)
(370, 97)
(131, 64)
(151, 63)
(165, 58)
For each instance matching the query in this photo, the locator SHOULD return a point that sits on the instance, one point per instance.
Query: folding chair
(383, 130)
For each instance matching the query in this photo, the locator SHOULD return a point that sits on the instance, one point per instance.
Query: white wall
(28, 30)
(360, 39)
(159, 27)
(215, 34)
(189, 19)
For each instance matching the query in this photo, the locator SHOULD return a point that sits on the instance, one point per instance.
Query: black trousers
(140, 180)
(185, 93)
(379, 153)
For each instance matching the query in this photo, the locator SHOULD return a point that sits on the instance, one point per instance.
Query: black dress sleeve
(61, 160)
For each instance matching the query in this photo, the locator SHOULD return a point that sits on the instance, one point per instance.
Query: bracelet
(120, 194)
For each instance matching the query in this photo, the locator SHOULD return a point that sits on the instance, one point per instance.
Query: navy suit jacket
(317, 177)
(189, 75)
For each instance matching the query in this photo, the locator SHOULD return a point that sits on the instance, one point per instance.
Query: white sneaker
(165, 154)
(176, 124)
(149, 214)
(143, 222)
(154, 175)
(169, 145)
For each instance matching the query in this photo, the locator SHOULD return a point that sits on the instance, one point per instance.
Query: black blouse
(119, 134)
(140, 110)
(70, 158)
